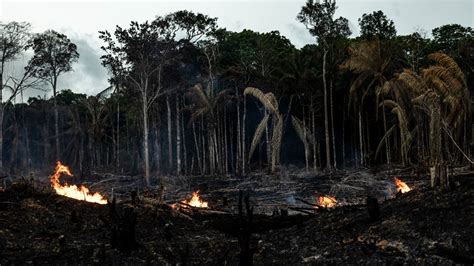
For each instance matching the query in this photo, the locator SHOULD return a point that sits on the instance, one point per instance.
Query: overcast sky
(81, 20)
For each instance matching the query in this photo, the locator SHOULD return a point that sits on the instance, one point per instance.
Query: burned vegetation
(219, 147)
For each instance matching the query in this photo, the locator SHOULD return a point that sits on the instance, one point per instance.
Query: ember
(401, 186)
(73, 191)
(327, 201)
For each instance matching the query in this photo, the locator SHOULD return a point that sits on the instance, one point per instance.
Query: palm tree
(205, 107)
(440, 92)
(270, 103)
(368, 60)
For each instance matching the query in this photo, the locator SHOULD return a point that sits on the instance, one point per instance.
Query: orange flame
(401, 186)
(195, 201)
(75, 192)
(327, 201)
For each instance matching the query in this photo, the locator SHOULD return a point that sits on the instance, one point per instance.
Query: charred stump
(373, 208)
(440, 176)
(123, 225)
(245, 231)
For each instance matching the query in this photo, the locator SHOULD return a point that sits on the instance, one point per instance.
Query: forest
(194, 107)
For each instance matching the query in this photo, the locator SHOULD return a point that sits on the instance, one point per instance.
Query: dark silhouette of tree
(13, 41)
(376, 24)
(54, 55)
(319, 19)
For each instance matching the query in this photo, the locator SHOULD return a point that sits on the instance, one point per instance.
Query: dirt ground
(422, 226)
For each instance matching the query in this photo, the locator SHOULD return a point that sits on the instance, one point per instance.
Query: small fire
(401, 186)
(195, 201)
(75, 192)
(327, 201)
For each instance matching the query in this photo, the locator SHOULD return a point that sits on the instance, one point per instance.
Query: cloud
(88, 75)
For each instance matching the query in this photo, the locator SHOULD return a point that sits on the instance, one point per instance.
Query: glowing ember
(327, 202)
(75, 192)
(401, 186)
(195, 201)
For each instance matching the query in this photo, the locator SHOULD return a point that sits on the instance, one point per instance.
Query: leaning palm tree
(306, 136)
(270, 103)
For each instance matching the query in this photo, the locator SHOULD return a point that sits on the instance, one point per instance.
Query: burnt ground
(422, 226)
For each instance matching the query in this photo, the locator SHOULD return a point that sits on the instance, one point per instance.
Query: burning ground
(420, 226)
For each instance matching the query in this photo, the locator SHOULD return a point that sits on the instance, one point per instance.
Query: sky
(81, 20)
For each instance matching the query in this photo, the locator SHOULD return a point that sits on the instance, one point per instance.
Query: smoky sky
(82, 20)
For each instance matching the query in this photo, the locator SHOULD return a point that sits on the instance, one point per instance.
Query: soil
(425, 225)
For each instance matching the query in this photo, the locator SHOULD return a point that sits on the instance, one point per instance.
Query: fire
(327, 201)
(195, 201)
(401, 186)
(75, 192)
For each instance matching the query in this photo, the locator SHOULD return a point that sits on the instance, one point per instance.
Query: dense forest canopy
(189, 97)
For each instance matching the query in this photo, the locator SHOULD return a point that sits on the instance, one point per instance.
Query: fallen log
(302, 210)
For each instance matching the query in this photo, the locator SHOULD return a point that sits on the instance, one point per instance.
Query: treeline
(188, 97)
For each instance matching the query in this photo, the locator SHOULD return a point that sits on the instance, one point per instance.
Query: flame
(75, 192)
(195, 201)
(401, 186)
(327, 201)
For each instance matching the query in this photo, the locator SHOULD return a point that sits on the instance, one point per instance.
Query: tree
(370, 62)
(53, 55)
(319, 19)
(448, 37)
(440, 93)
(376, 25)
(13, 41)
(270, 103)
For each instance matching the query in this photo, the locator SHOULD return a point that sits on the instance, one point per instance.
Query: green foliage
(376, 25)
(53, 55)
(319, 19)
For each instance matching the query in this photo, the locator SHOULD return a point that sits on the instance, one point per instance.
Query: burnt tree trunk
(245, 232)
(122, 235)
(440, 176)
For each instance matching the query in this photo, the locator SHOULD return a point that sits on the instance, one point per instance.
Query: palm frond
(266, 101)
(258, 135)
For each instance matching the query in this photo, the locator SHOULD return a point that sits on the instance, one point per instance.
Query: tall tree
(54, 55)
(376, 24)
(319, 19)
(13, 41)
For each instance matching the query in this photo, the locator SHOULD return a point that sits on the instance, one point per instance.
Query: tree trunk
(226, 153)
(178, 139)
(1, 117)
(56, 120)
(146, 154)
(326, 115)
(361, 142)
(117, 142)
(170, 143)
(243, 136)
(196, 143)
(315, 148)
(185, 151)
(305, 142)
(238, 141)
(332, 130)
(387, 141)
(440, 176)
(157, 148)
(344, 134)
